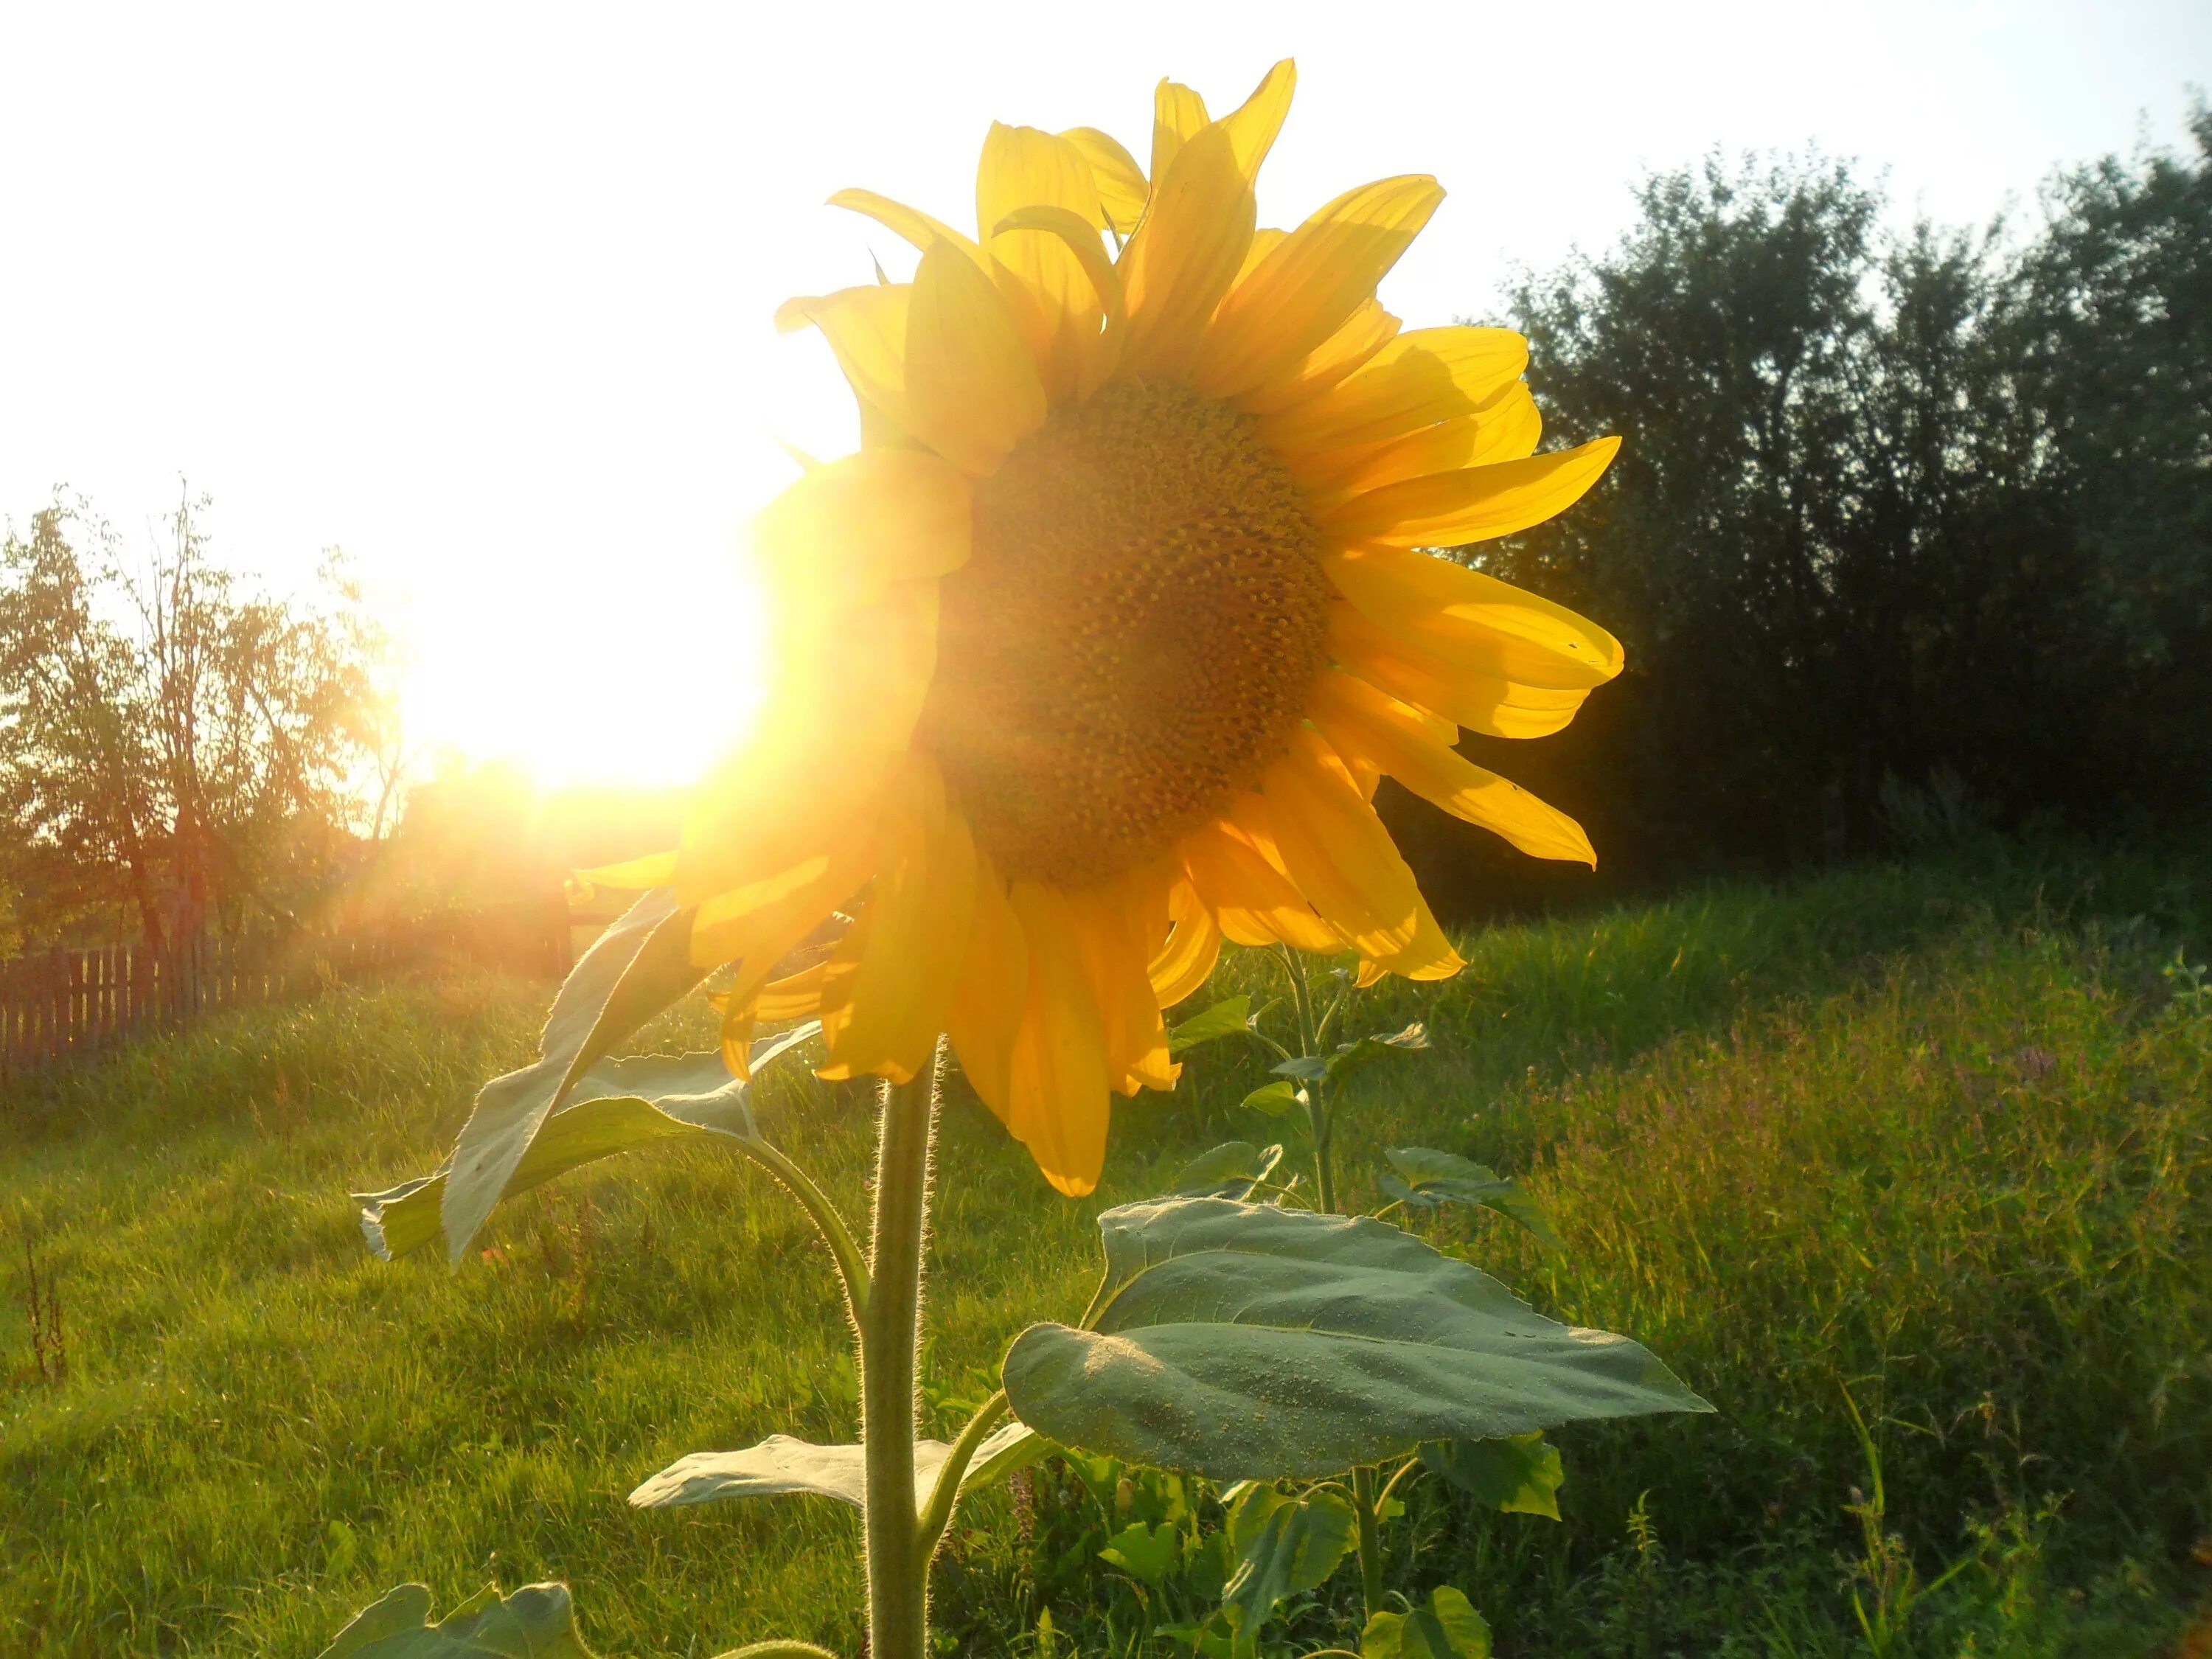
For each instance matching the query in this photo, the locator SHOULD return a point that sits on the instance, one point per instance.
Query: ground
(1935, 1141)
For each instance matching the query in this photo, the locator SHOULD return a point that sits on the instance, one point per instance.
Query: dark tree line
(1906, 527)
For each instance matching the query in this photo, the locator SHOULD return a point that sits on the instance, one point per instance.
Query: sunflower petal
(633, 875)
(1357, 719)
(1079, 343)
(1057, 1084)
(1112, 928)
(992, 991)
(866, 329)
(1186, 961)
(1255, 902)
(1253, 124)
(1055, 295)
(972, 384)
(1306, 288)
(1342, 857)
(1496, 707)
(910, 223)
(1450, 509)
(1178, 116)
(1120, 182)
(1474, 621)
(888, 986)
(1421, 378)
(876, 516)
(1366, 332)
(1506, 429)
(1185, 254)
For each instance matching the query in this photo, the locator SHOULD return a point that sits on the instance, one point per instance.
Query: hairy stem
(898, 1572)
(1370, 1540)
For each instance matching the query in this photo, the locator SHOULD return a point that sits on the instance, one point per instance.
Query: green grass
(1940, 1136)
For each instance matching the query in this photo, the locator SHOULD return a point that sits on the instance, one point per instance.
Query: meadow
(1928, 1143)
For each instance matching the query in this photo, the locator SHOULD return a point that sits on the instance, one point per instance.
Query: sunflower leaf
(1229, 1019)
(634, 970)
(1448, 1628)
(781, 1465)
(537, 1622)
(1229, 1170)
(1427, 1179)
(1145, 1553)
(1246, 1341)
(618, 1106)
(1521, 1475)
(1285, 1546)
(1275, 1098)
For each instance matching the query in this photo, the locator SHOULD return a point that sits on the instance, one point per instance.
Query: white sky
(482, 294)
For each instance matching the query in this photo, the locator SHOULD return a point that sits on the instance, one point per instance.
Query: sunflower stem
(890, 1326)
(1367, 1506)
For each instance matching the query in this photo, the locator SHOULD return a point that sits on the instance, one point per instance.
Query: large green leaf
(1230, 1018)
(782, 1465)
(634, 970)
(1427, 1179)
(1275, 1098)
(1229, 1170)
(536, 1622)
(1522, 1474)
(616, 1106)
(1246, 1341)
(1448, 1628)
(1285, 1546)
(1333, 1069)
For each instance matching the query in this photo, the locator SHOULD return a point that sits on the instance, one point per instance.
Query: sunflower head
(1094, 652)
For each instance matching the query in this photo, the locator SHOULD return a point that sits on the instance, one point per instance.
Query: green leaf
(1145, 1553)
(636, 969)
(1247, 1341)
(1448, 1628)
(1229, 1019)
(1017, 1446)
(1285, 1546)
(781, 1465)
(1522, 1475)
(1334, 1070)
(536, 1622)
(618, 1106)
(1275, 1098)
(1229, 1170)
(1428, 1179)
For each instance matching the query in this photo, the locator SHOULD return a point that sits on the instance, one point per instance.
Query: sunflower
(1094, 652)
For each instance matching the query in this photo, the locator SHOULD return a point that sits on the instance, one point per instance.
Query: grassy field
(1939, 1139)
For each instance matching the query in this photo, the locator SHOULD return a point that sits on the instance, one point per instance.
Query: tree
(169, 741)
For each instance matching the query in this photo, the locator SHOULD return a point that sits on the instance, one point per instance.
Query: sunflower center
(1134, 636)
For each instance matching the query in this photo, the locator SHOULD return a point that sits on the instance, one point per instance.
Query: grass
(1936, 1140)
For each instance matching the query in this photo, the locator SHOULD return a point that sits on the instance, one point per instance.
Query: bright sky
(481, 293)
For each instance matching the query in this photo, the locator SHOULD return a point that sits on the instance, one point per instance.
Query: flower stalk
(889, 1325)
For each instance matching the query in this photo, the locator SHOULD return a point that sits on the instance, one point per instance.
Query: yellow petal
(1496, 707)
(757, 934)
(848, 685)
(1186, 961)
(737, 1039)
(1057, 1084)
(911, 224)
(1078, 356)
(1305, 290)
(1254, 901)
(1253, 124)
(1342, 857)
(1120, 182)
(1505, 428)
(1265, 241)
(866, 330)
(1365, 333)
(1185, 255)
(1473, 621)
(1450, 509)
(880, 515)
(1178, 116)
(992, 991)
(1421, 378)
(1055, 299)
(890, 984)
(633, 876)
(1357, 719)
(795, 997)
(972, 386)
(1112, 924)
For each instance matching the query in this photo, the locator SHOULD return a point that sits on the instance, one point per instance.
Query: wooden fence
(61, 1004)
